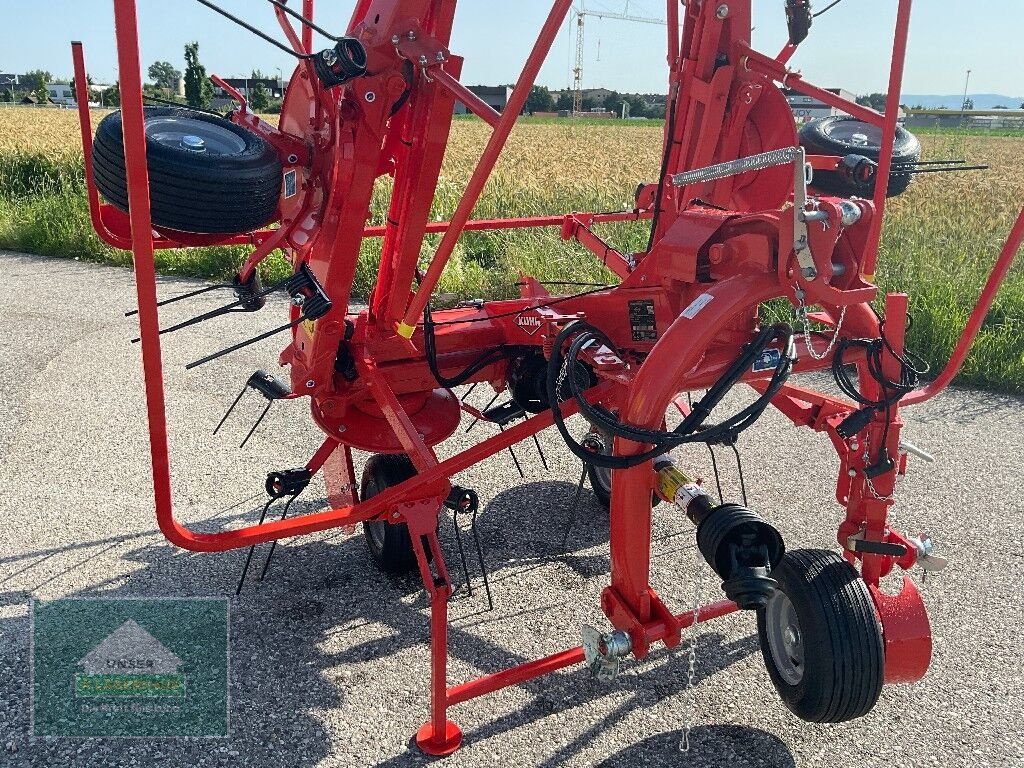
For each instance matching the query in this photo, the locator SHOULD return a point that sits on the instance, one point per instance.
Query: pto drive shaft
(737, 543)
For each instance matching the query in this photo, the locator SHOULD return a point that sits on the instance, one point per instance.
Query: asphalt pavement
(329, 657)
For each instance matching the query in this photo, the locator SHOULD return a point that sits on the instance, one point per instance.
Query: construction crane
(581, 14)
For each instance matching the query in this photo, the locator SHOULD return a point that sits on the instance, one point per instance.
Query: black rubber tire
(390, 544)
(601, 479)
(217, 192)
(832, 136)
(841, 674)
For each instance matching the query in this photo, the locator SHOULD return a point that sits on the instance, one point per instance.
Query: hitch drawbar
(737, 543)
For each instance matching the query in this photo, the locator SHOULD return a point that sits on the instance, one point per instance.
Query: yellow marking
(406, 331)
(869, 278)
(310, 326)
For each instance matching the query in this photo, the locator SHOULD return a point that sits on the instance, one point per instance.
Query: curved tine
(273, 544)
(289, 31)
(302, 20)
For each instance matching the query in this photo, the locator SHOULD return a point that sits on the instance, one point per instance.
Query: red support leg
(439, 735)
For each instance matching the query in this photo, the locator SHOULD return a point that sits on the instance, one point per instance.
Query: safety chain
(689, 703)
(801, 313)
(871, 486)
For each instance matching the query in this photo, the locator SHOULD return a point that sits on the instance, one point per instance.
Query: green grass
(1015, 133)
(933, 250)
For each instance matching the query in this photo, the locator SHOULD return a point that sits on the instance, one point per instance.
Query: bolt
(439, 55)
(395, 515)
(395, 39)
(330, 57)
(310, 384)
(722, 11)
(854, 445)
(423, 60)
(851, 472)
(411, 35)
(370, 97)
(292, 159)
(193, 143)
(299, 300)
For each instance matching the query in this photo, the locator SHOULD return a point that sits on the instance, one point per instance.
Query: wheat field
(940, 237)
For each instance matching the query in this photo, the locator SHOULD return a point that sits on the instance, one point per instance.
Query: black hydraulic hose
(489, 357)
(687, 431)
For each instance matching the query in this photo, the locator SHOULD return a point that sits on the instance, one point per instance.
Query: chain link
(689, 703)
(801, 313)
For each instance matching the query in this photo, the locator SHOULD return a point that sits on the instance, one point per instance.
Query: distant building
(61, 94)
(495, 96)
(807, 108)
(244, 85)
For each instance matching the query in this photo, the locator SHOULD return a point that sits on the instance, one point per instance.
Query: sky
(848, 47)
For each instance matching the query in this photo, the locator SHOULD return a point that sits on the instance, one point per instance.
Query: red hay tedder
(743, 212)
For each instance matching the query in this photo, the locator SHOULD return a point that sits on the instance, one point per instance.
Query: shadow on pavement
(319, 590)
(736, 746)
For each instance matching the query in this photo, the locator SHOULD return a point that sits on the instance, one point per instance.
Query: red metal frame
(719, 250)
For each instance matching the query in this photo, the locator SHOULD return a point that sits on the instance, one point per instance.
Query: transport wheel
(600, 477)
(844, 135)
(820, 638)
(206, 174)
(390, 545)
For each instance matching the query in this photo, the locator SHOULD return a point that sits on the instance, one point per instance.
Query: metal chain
(801, 313)
(689, 703)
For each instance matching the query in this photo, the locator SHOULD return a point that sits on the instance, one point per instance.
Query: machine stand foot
(440, 745)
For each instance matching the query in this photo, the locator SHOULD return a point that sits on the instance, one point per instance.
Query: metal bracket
(604, 652)
(801, 241)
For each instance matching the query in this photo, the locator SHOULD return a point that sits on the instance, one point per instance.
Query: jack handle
(995, 280)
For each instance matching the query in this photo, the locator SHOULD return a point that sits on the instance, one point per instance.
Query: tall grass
(940, 238)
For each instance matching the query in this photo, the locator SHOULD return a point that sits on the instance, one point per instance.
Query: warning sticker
(768, 360)
(697, 305)
(641, 320)
(290, 183)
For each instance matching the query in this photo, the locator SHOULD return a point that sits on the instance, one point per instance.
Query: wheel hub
(193, 143)
(785, 640)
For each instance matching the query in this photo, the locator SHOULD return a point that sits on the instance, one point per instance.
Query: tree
(36, 79)
(875, 101)
(164, 75)
(7, 96)
(968, 103)
(259, 97)
(198, 88)
(88, 82)
(258, 75)
(540, 100)
(1000, 106)
(564, 102)
(613, 102)
(42, 94)
(637, 107)
(112, 96)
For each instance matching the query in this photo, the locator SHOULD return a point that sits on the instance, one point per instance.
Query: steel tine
(714, 467)
(515, 459)
(252, 548)
(540, 451)
(258, 422)
(480, 555)
(575, 508)
(462, 551)
(273, 544)
(739, 468)
(482, 410)
(221, 423)
(468, 392)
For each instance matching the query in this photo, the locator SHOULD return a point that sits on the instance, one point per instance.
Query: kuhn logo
(530, 321)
